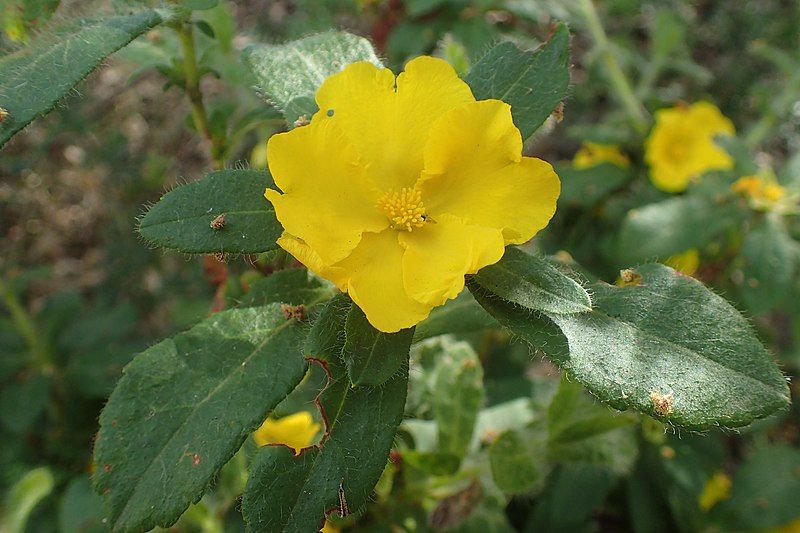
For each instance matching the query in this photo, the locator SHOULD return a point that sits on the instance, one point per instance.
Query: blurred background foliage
(495, 441)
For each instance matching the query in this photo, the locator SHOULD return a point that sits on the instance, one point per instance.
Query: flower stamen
(404, 209)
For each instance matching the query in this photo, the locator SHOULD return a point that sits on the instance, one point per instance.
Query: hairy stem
(619, 81)
(191, 75)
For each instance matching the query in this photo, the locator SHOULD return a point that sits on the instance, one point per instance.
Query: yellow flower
(716, 489)
(329, 528)
(592, 154)
(681, 145)
(295, 431)
(398, 188)
(685, 262)
(760, 192)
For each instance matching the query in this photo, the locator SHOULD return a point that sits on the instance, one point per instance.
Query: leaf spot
(662, 403)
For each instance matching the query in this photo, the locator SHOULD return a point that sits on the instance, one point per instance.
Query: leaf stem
(26, 327)
(185, 32)
(619, 81)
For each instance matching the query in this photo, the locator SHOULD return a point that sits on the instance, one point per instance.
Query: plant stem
(27, 328)
(192, 87)
(619, 81)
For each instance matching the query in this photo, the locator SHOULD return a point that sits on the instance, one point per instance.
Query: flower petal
(303, 253)
(388, 128)
(376, 283)
(439, 254)
(327, 200)
(474, 170)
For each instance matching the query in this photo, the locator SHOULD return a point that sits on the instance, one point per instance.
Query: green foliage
(184, 218)
(296, 286)
(184, 407)
(533, 284)
(288, 493)
(586, 186)
(24, 496)
(81, 509)
(289, 75)
(665, 346)
(372, 357)
(490, 439)
(33, 80)
(673, 226)
(512, 75)
(765, 489)
(459, 395)
(459, 316)
(518, 463)
(19, 17)
(770, 260)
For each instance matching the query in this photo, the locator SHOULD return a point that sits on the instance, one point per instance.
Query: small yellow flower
(330, 528)
(685, 262)
(681, 145)
(399, 187)
(716, 489)
(760, 192)
(295, 431)
(592, 154)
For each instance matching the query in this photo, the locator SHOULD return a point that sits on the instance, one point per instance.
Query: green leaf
(533, 83)
(581, 431)
(573, 492)
(32, 391)
(184, 407)
(24, 496)
(769, 264)
(659, 230)
(532, 283)
(371, 356)
(288, 75)
(292, 493)
(33, 80)
(667, 347)
(458, 395)
(81, 509)
(765, 488)
(182, 218)
(518, 464)
(584, 187)
(459, 316)
(200, 5)
(432, 463)
(295, 286)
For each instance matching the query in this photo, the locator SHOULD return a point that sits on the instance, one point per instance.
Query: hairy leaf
(224, 212)
(183, 408)
(288, 75)
(533, 83)
(371, 356)
(293, 493)
(34, 79)
(462, 315)
(295, 286)
(533, 283)
(666, 346)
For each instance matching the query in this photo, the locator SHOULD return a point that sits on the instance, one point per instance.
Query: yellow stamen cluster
(405, 208)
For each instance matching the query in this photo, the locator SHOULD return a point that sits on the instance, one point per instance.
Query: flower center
(404, 209)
